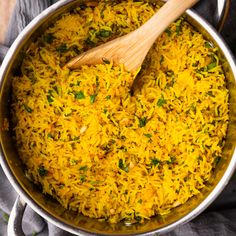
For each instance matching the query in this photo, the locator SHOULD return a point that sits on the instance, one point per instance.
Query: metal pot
(48, 208)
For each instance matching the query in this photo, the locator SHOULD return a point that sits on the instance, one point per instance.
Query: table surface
(6, 8)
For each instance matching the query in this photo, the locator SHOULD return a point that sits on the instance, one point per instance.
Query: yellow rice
(103, 151)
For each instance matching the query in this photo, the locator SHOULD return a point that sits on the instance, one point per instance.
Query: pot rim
(69, 228)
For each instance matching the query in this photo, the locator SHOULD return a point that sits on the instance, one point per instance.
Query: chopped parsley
(82, 178)
(148, 135)
(178, 27)
(140, 201)
(155, 161)
(62, 48)
(142, 122)
(89, 42)
(73, 162)
(208, 44)
(83, 168)
(105, 33)
(48, 38)
(27, 108)
(122, 166)
(108, 97)
(92, 98)
(161, 101)
(79, 95)
(42, 171)
(168, 32)
(211, 65)
(210, 94)
(217, 160)
(138, 218)
(49, 97)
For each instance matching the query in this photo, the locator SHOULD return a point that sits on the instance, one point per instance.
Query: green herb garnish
(84, 168)
(178, 29)
(73, 162)
(142, 122)
(148, 135)
(42, 171)
(108, 97)
(122, 166)
(92, 98)
(105, 33)
(155, 161)
(140, 201)
(49, 98)
(208, 45)
(27, 108)
(210, 94)
(82, 178)
(211, 65)
(89, 42)
(48, 38)
(217, 160)
(79, 95)
(168, 32)
(161, 101)
(62, 48)
(138, 218)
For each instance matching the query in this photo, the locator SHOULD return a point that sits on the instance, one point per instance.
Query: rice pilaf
(104, 151)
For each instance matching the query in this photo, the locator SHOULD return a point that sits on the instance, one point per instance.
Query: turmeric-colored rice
(104, 150)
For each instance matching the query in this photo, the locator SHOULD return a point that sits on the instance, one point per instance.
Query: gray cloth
(219, 219)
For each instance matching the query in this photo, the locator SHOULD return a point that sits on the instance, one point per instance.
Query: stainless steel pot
(78, 224)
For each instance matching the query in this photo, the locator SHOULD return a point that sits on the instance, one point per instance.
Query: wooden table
(6, 8)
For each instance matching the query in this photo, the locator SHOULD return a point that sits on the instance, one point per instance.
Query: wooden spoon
(131, 49)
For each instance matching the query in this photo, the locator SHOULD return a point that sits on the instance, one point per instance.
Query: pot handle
(222, 13)
(14, 227)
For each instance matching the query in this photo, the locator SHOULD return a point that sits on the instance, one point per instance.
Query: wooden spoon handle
(167, 14)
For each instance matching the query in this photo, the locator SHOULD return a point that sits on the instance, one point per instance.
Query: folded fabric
(221, 222)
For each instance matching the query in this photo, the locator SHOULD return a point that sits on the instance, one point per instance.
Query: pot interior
(70, 220)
